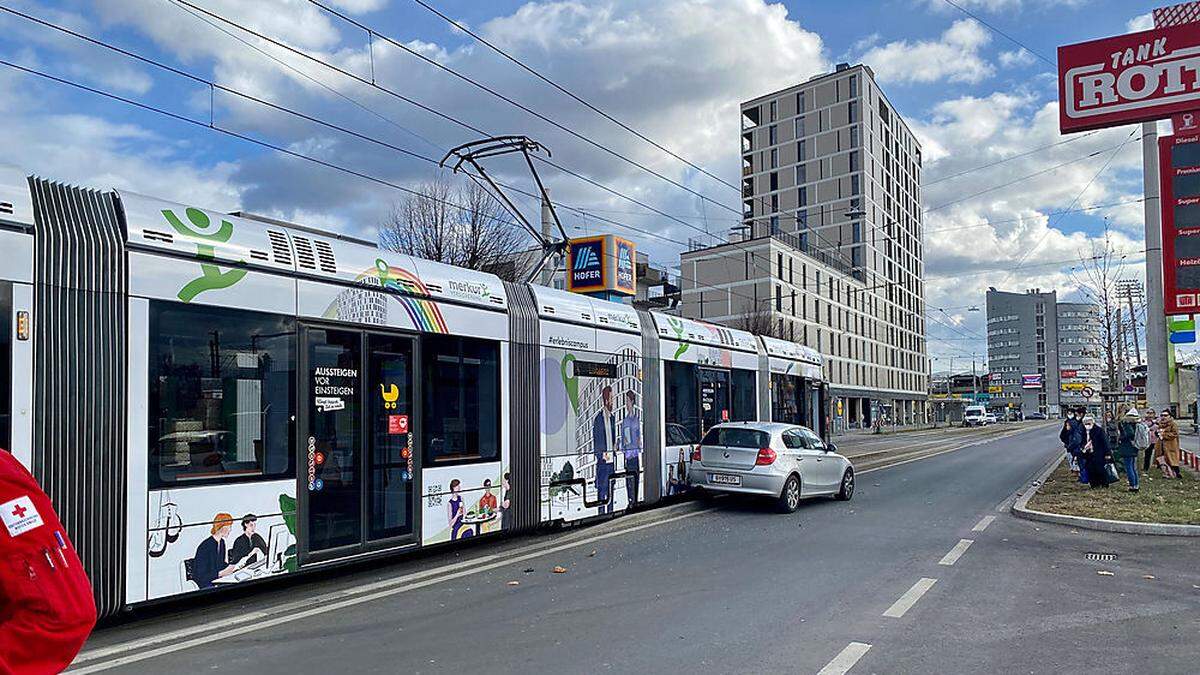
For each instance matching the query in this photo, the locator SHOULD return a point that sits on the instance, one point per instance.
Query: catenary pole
(1158, 394)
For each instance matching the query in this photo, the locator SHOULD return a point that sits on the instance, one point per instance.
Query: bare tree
(758, 321)
(1100, 274)
(462, 226)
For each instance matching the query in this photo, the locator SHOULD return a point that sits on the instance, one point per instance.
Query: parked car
(1036, 416)
(974, 416)
(782, 461)
(990, 418)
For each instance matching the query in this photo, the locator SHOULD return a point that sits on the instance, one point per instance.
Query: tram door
(357, 457)
(714, 398)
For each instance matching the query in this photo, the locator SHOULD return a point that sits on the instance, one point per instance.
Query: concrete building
(829, 251)
(1042, 354)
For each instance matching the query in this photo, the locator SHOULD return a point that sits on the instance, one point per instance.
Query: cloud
(1017, 58)
(999, 5)
(1140, 23)
(954, 56)
(674, 70)
(1015, 237)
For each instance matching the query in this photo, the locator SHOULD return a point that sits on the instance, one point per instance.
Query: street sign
(1129, 78)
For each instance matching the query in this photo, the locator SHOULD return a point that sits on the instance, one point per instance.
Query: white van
(975, 416)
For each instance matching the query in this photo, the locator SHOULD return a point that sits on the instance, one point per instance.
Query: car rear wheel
(847, 490)
(789, 498)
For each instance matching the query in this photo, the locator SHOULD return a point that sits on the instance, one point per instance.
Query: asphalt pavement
(923, 572)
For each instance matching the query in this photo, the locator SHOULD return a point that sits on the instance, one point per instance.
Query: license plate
(724, 479)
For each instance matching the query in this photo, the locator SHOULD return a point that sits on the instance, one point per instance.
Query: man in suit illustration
(604, 436)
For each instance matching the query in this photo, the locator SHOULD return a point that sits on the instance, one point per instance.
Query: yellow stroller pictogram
(391, 394)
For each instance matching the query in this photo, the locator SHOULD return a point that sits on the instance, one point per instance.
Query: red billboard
(1179, 194)
(1130, 78)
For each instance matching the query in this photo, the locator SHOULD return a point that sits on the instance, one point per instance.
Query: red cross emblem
(19, 511)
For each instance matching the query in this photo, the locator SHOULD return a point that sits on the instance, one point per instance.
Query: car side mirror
(830, 447)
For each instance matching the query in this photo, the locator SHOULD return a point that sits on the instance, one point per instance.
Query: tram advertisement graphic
(218, 536)
(200, 226)
(592, 432)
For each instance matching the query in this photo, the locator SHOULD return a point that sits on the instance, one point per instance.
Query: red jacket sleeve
(46, 605)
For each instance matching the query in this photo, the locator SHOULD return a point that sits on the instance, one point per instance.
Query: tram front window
(221, 394)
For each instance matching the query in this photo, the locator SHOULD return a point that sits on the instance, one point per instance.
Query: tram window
(743, 404)
(222, 395)
(461, 418)
(785, 398)
(683, 395)
(6, 332)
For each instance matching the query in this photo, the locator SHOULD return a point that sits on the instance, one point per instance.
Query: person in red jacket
(46, 605)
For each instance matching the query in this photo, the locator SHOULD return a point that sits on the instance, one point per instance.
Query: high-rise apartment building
(829, 250)
(1042, 354)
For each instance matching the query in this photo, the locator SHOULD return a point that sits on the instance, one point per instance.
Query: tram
(217, 399)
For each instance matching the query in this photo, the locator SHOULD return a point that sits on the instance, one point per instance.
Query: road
(923, 572)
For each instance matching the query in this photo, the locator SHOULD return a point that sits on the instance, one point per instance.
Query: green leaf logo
(199, 226)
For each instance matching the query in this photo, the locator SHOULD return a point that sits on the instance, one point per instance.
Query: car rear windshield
(736, 438)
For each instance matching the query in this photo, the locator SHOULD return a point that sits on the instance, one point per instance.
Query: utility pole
(1124, 357)
(1132, 289)
(548, 271)
(1158, 394)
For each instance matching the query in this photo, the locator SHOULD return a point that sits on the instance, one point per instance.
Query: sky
(1009, 202)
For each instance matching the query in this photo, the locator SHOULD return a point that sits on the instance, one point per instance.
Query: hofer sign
(1129, 78)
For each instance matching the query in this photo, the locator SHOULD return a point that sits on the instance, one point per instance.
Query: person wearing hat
(1127, 446)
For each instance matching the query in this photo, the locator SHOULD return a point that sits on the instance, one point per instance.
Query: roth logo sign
(1129, 78)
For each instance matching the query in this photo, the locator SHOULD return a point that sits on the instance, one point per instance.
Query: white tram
(215, 399)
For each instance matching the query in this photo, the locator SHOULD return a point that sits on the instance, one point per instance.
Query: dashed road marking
(910, 598)
(957, 552)
(983, 523)
(845, 660)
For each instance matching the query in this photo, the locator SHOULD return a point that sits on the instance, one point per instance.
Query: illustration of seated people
(212, 561)
(214, 564)
(604, 435)
(486, 511)
(631, 446)
(249, 549)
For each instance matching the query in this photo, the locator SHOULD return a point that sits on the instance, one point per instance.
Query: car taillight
(696, 453)
(766, 457)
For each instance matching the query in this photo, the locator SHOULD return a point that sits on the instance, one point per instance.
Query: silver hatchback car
(783, 461)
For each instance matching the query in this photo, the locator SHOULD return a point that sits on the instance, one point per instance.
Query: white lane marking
(983, 523)
(473, 568)
(957, 552)
(935, 454)
(845, 660)
(909, 598)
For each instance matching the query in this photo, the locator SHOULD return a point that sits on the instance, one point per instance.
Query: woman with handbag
(1096, 454)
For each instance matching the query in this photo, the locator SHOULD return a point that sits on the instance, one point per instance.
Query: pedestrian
(1128, 432)
(1168, 434)
(1096, 454)
(1113, 432)
(1073, 436)
(1151, 424)
(1110, 429)
(46, 605)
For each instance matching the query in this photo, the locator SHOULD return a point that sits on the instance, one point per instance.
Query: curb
(1020, 509)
